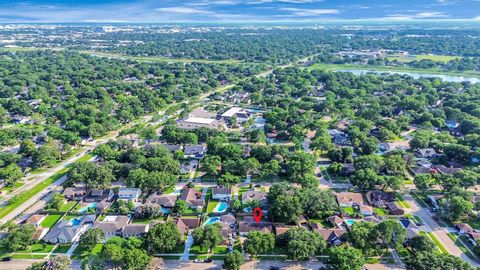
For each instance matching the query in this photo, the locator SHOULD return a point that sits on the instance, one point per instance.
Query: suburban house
(129, 194)
(244, 227)
(332, 236)
(39, 233)
(228, 219)
(68, 231)
(379, 198)
(281, 228)
(396, 145)
(112, 225)
(74, 193)
(394, 209)
(35, 220)
(164, 200)
(195, 151)
(135, 230)
(241, 114)
(193, 198)
(464, 228)
(426, 153)
(186, 224)
(335, 221)
(447, 170)
(345, 199)
(366, 210)
(173, 147)
(98, 195)
(253, 195)
(221, 194)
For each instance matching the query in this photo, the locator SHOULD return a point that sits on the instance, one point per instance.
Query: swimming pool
(248, 210)
(350, 222)
(86, 208)
(76, 221)
(211, 220)
(165, 210)
(220, 207)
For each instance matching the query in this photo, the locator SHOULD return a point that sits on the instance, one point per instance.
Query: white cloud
(303, 12)
(419, 15)
(183, 10)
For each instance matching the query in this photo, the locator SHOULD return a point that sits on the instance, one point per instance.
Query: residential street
(432, 226)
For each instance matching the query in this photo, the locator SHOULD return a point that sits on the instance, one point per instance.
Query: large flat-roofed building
(241, 114)
(199, 122)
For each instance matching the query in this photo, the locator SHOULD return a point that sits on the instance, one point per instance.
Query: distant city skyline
(234, 10)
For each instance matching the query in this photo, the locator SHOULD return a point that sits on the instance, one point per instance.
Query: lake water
(447, 78)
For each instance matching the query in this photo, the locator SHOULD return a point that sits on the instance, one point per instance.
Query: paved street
(432, 226)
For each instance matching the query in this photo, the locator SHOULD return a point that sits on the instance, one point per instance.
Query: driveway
(188, 245)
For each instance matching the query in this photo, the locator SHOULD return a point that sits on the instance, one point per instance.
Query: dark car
(6, 259)
(208, 260)
(274, 268)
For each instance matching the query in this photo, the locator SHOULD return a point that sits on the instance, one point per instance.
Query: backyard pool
(248, 210)
(165, 210)
(220, 207)
(76, 221)
(350, 222)
(211, 220)
(86, 208)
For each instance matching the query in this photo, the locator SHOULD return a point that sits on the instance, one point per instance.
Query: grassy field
(50, 220)
(161, 59)
(38, 248)
(432, 57)
(336, 67)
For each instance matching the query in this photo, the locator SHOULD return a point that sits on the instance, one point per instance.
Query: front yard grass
(62, 248)
(50, 220)
(38, 248)
(435, 240)
(81, 252)
(401, 201)
(380, 211)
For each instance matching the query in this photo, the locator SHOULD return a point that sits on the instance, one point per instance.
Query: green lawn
(420, 198)
(432, 57)
(211, 205)
(21, 198)
(161, 59)
(380, 211)
(67, 206)
(435, 240)
(81, 252)
(475, 223)
(401, 201)
(50, 220)
(38, 248)
(20, 256)
(62, 248)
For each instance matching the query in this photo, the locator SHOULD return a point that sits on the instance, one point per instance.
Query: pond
(444, 77)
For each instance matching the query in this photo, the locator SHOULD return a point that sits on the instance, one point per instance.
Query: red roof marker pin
(257, 214)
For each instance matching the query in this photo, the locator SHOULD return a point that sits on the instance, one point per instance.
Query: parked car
(208, 260)
(6, 259)
(198, 261)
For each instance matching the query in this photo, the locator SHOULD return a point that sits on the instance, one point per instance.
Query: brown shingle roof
(349, 198)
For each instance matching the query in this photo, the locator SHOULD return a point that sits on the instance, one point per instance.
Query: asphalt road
(440, 232)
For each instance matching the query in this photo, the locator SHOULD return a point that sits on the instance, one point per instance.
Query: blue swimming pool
(211, 220)
(350, 222)
(220, 207)
(76, 221)
(86, 208)
(165, 210)
(248, 210)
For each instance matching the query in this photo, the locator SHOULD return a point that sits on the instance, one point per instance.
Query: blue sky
(234, 10)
